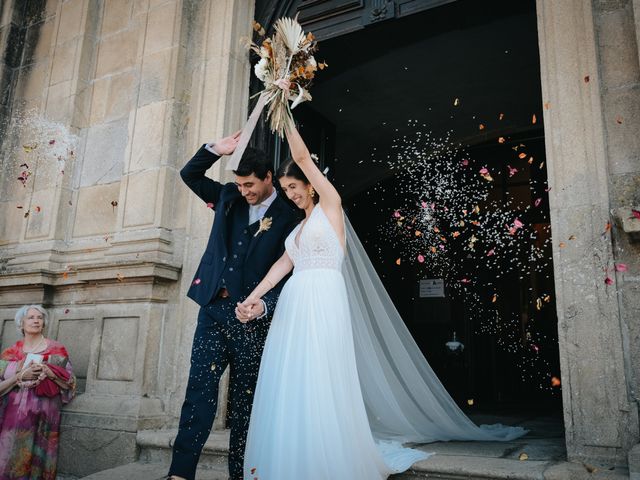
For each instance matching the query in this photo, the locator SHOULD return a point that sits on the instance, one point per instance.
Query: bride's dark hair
(289, 168)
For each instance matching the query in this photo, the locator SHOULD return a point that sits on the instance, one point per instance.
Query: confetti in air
(451, 227)
(44, 147)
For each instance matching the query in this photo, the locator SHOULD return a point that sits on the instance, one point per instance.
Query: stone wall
(112, 236)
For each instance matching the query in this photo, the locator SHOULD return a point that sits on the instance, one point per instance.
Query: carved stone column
(600, 420)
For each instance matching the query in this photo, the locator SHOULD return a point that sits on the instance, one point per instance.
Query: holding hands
(249, 310)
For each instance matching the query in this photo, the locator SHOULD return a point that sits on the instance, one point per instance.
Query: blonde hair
(24, 311)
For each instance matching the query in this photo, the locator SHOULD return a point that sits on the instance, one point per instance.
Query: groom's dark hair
(254, 161)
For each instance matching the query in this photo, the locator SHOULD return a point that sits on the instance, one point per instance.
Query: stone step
(453, 460)
(151, 471)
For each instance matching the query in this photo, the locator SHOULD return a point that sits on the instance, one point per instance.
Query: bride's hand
(250, 309)
(284, 84)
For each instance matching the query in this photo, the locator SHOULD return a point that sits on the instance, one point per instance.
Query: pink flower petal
(483, 171)
(396, 214)
(421, 258)
(537, 202)
(608, 281)
(517, 223)
(209, 205)
(197, 281)
(621, 267)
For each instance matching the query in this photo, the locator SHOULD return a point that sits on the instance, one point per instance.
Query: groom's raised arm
(193, 173)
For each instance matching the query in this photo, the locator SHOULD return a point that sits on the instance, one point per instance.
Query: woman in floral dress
(36, 379)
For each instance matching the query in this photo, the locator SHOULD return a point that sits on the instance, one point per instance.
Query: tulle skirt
(308, 419)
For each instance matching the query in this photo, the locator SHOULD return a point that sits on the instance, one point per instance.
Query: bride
(341, 382)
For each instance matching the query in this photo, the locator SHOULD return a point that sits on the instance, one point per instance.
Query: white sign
(431, 287)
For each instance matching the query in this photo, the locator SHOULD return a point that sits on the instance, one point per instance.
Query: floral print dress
(30, 424)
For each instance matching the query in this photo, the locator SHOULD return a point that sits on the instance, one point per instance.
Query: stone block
(40, 223)
(634, 462)
(157, 75)
(117, 14)
(94, 213)
(64, 61)
(161, 27)
(622, 124)
(117, 52)
(59, 102)
(11, 222)
(112, 97)
(626, 221)
(140, 7)
(84, 451)
(10, 333)
(148, 137)
(31, 80)
(103, 158)
(118, 348)
(618, 52)
(174, 200)
(71, 15)
(122, 91)
(76, 334)
(99, 98)
(38, 41)
(140, 205)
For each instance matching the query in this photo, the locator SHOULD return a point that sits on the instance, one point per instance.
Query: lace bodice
(318, 245)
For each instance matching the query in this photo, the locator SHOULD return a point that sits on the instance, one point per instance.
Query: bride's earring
(312, 192)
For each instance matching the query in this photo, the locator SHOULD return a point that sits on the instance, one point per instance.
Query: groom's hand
(249, 310)
(226, 145)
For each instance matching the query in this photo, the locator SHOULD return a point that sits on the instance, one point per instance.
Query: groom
(249, 228)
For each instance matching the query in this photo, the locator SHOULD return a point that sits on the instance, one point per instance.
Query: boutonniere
(265, 224)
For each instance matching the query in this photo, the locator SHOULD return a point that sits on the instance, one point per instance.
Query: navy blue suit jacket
(231, 208)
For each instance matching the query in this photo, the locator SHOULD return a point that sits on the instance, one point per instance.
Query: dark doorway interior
(448, 69)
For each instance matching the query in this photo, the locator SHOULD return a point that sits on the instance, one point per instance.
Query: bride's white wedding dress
(309, 419)
(339, 369)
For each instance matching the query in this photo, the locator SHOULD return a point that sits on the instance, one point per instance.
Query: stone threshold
(453, 461)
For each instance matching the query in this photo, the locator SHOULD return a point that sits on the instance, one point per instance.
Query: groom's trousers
(219, 340)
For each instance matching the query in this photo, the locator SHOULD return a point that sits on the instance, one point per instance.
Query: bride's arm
(329, 196)
(276, 273)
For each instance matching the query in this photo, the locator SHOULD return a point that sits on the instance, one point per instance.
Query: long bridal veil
(405, 401)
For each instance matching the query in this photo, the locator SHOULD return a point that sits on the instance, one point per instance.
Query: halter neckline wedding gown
(342, 383)
(309, 419)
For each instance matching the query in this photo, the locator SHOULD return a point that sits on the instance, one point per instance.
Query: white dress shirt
(256, 212)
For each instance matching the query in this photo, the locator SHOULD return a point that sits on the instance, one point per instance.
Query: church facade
(103, 233)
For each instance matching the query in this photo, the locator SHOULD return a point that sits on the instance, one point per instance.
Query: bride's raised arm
(329, 196)
(330, 199)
